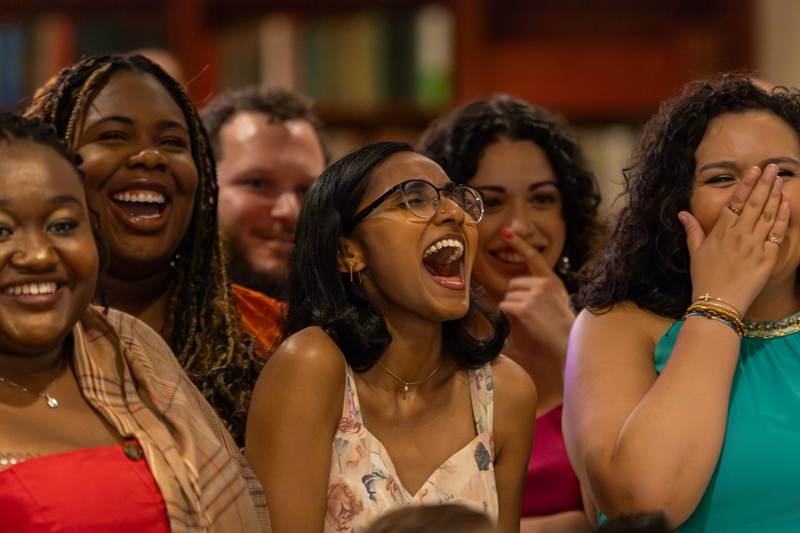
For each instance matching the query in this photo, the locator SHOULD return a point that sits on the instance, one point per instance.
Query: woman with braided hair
(150, 178)
(538, 230)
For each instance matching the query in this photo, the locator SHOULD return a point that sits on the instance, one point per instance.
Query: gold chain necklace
(407, 383)
(51, 402)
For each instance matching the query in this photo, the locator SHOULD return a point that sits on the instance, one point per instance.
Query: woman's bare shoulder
(309, 360)
(625, 320)
(514, 389)
(312, 349)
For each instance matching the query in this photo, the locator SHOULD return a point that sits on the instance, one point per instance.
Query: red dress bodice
(108, 489)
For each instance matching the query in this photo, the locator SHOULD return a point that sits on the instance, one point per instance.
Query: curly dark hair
(645, 258)
(320, 295)
(202, 323)
(458, 140)
(15, 128)
(275, 102)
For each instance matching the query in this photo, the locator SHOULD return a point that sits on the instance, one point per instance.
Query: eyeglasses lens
(421, 199)
(470, 202)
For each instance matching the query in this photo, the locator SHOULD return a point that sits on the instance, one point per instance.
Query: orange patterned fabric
(262, 317)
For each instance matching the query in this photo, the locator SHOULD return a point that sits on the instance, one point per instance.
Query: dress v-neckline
(378, 449)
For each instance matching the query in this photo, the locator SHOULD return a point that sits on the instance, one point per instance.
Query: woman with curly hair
(150, 178)
(539, 228)
(382, 396)
(683, 376)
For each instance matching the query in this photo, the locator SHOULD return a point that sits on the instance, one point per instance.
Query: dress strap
(481, 391)
(351, 408)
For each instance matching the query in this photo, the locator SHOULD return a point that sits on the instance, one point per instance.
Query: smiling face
(264, 171)
(521, 195)
(140, 175)
(734, 143)
(48, 255)
(411, 264)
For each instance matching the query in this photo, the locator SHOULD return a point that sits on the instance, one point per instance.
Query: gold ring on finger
(773, 240)
(734, 210)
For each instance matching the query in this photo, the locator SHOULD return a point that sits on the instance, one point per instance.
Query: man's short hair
(278, 103)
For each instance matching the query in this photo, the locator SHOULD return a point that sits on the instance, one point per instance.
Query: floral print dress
(363, 482)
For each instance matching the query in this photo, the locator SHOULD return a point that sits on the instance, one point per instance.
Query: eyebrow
(163, 125)
(60, 199)
(725, 165)
(533, 187)
(65, 199)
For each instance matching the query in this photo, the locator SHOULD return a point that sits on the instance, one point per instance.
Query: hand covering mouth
(444, 259)
(140, 203)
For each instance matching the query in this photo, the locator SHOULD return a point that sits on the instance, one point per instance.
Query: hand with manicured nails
(735, 260)
(539, 302)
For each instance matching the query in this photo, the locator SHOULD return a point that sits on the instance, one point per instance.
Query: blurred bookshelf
(385, 68)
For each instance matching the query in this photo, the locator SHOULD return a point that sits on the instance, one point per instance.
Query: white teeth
(147, 198)
(32, 289)
(446, 243)
(510, 257)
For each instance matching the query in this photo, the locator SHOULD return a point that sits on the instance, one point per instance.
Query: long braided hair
(202, 323)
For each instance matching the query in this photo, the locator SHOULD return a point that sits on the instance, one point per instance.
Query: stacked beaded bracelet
(720, 313)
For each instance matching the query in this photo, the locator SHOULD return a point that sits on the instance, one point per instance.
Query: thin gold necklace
(407, 383)
(51, 402)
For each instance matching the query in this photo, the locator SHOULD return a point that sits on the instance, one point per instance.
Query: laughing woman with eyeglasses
(382, 396)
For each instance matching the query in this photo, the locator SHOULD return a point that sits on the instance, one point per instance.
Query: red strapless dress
(109, 489)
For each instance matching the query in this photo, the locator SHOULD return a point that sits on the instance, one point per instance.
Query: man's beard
(241, 272)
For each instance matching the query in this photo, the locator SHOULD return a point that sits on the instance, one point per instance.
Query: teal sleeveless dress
(756, 484)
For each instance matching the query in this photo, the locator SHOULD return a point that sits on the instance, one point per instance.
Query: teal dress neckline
(756, 483)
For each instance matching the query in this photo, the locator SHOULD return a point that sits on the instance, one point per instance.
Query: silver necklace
(407, 383)
(51, 402)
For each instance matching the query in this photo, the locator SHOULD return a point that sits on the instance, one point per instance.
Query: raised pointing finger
(533, 259)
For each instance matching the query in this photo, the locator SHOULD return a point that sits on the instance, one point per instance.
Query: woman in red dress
(100, 428)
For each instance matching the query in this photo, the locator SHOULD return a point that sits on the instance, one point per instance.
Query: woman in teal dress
(683, 374)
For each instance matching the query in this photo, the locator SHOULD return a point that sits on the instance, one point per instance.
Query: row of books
(32, 52)
(34, 49)
(355, 61)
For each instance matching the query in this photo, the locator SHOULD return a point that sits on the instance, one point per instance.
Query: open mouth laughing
(444, 260)
(140, 203)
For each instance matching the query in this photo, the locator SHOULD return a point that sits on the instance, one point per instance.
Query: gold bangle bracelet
(706, 297)
(722, 313)
(724, 306)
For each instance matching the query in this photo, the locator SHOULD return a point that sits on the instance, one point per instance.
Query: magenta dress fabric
(551, 485)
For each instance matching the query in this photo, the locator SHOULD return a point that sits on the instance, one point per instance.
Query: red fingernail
(507, 234)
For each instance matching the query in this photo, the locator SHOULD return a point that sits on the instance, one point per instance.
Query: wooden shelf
(616, 59)
(590, 60)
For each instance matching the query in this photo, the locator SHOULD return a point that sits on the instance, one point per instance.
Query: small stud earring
(563, 265)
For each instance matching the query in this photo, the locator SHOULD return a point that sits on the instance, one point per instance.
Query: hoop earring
(360, 281)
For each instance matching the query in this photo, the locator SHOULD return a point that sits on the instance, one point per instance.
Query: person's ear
(350, 257)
